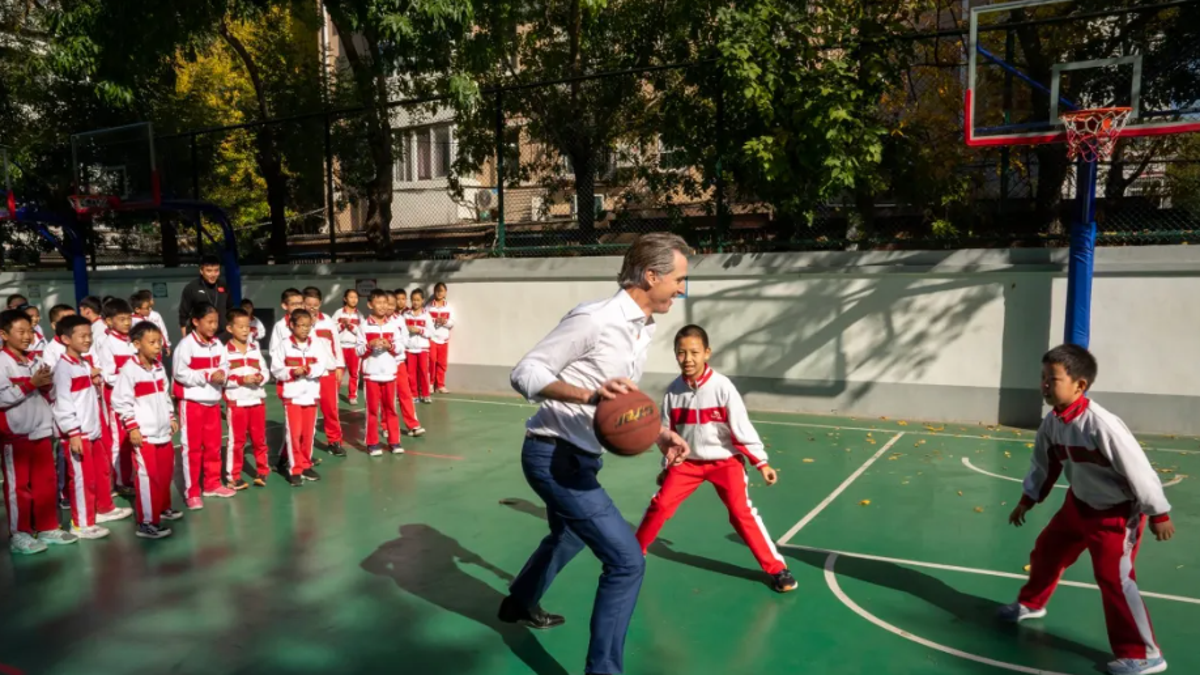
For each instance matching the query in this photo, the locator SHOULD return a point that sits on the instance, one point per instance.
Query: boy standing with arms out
(1113, 490)
(143, 404)
(348, 319)
(246, 397)
(704, 407)
(381, 345)
(324, 333)
(298, 365)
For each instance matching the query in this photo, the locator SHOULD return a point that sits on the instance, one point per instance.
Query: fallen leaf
(904, 482)
(883, 418)
(960, 493)
(1166, 470)
(1007, 454)
(808, 460)
(871, 441)
(902, 423)
(1029, 445)
(865, 502)
(978, 509)
(1028, 568)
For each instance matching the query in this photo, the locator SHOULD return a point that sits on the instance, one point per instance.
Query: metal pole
(499, 173)
(195, 170)
(1005, 151)
(1080, 265)
(722, 225)
(329, 188)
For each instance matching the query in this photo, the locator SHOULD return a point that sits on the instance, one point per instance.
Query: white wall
(954, 335)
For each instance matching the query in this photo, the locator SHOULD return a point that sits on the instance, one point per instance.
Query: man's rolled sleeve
(568, 342)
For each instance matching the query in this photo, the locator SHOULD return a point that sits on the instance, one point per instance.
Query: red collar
(298, 343)
(72, 359)
(202, 341)
(19, 358)
(120, 336)
(705, 376)
(234, 350)
(1073, 411)
(148, 368)
(380, 322)
(434, 303)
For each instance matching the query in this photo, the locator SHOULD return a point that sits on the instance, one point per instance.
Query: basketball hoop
(1092, 134)
(85, 205)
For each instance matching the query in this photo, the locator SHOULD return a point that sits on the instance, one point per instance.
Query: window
(404, 164)
(441, 151)
(424, 158)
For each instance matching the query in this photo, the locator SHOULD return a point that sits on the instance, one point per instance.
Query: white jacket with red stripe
(306, 389)
(54, 351)
(1104, 462)
(347, 322)
(241, 365)
(76, 403)
(381, 365)
(709, 414)
(325, 333)
(26, 409)
(112, 355)
(39, 344)
(141, 402)
(418, 341)
(445, 314)
(196, 359)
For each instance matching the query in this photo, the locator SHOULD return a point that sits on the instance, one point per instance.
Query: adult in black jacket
(208, 287)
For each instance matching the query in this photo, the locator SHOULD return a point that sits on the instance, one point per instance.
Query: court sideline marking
(967, 463)
(835, 427)
(838, 490)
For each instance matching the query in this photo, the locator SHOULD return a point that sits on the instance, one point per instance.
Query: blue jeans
(581, 514)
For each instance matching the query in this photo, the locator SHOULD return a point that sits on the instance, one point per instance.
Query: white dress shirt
(595, 342)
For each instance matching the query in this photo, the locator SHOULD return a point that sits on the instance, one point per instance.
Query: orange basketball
(628, 424)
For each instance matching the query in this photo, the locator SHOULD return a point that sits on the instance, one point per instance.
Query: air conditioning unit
(597, 205)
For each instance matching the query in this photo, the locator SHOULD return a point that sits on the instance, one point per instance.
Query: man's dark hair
(139, 331)
(57, 311)
(692, 331)
(116, 307)
(91, 302)
(140, 298)
(64, 328)
(288, 294)
(313, 292)
(208, 260)
(16, 300)
(1077, 361)
(10, 316)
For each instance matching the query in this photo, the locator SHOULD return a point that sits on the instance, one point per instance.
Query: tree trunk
(584, 163)
(266, 152)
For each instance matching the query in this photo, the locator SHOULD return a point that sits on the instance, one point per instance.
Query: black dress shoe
(512, 611)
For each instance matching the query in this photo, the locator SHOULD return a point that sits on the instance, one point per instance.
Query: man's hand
(1017, 517)
(135, 436)
(1163, 531)
(217, 377)
(76, 446)
(42, 378)
(613, 388)
(673, 447)
(768, 474)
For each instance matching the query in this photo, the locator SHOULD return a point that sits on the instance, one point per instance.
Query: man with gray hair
(597, 351)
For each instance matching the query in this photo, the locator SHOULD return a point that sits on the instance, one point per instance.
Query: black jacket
(196, 292)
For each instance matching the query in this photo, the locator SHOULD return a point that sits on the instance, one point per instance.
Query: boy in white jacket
(245, 397)
(381, 345)
(298, 363)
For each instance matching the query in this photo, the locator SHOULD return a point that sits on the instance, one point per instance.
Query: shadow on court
(425, 563)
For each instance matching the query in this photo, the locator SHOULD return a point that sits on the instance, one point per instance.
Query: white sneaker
(57, 538)
(1137, 666)
(1016, 613)
(93, 532)
(397, 450)
(119, 513)
(25, 544)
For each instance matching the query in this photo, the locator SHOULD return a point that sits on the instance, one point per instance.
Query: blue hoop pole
(229, 252)
(1080, 268)
(72, 249)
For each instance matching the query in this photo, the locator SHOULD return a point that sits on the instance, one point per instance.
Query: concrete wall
(954, 335)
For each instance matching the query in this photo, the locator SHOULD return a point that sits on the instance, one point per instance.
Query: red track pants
(122, 461)
(200, 436)
(1112, 537)
(437, 363)
(246, 421)
(728, 476)
(418, 373)
(300, 423)
(155, 465)
(103, 469)
(381, 402)
(404, 398)
(81, 487)
(329, 408)
(29, 485)
(353, 372)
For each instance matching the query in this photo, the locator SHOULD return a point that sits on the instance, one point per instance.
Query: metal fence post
(195, 170)
(722, 225)
(500, 172)
(329, 188)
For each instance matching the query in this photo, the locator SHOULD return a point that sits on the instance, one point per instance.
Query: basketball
(628, 424)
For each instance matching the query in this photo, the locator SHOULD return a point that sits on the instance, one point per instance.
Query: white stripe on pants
(81, 505)
(10, 489)
(145, 494)
(183, 448)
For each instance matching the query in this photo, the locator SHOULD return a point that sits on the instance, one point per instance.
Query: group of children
(99, 390)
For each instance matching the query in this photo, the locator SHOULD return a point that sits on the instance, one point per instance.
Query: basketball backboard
(1033, 60)
(115, 168)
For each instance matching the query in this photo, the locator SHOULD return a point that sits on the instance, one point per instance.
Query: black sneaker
(310, 474)
(148, 531)
(512, 611)
(238, 484)
(295, 481)
(171, 514)
(783, 582)
(336, 450)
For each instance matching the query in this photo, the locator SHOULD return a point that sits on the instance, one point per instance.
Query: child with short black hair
(143, 404)
(91, 309)
(258, 332)
(1114, 489)
(201, 365)
(420, 328)
(704, 407)
(245, 397)
(324, 331)
(39, 340)
(113, 352)
(348, 320)
(380, 342)
(30, 484)
(54, 346)
(298, 363)
(157, 320)
(51, 355)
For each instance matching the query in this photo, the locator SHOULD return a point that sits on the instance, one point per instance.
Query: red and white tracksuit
(1113, 489)
(381, 370)
(112, 355)
(196, 360)
(348, 321)
(439, 341)
(257, 331)
(300, 394)
(324, 333)
(141, 401)
(420, 327)
(247, 410)
(30, 481)
(710, 415)
(76, 411)
(54, 351)
(37, 346)
(404, 390)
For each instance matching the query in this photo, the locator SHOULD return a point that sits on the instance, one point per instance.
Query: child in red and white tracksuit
(380, 343)
(404, 391)
(142, 402)
(348, 320)
(324, 334)
(245, 395)
(420, 328)
(298, 363)
(30, 482)
(706, 409)
(200, 366)
(112, 353)
(439, 342)
(1114, 490)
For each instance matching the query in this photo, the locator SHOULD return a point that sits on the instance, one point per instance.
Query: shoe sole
(170, 519)
(309, 479)
(786, 589)
(160, 535)
(1036, 614)
(51, 542)
(32, 551)
(1161, 668)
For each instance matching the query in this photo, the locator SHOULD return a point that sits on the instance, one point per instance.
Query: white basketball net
(1092, 134)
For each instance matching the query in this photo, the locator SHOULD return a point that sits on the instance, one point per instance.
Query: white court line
(841, 488)
(973, 570)
(967, 463)
(832, 582)
(835, 427)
